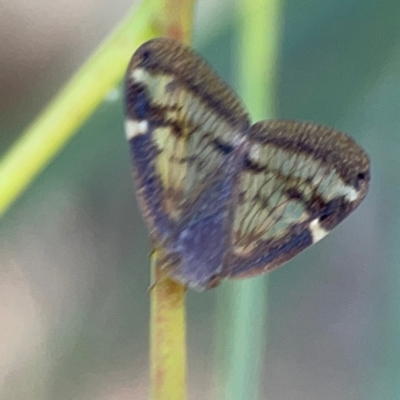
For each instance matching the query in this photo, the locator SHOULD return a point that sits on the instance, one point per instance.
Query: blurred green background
(74, 270)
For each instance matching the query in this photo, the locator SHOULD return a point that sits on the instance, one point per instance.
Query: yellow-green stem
(56, 125)
(167, 337)
(167, 321)
(59, 121)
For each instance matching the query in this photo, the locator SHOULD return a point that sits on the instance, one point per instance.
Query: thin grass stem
(167, 337)
(247, 301)
(168, 365)
(71, 107)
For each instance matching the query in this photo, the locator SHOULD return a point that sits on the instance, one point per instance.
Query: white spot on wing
(139, 75)
(317, 232)
(135, 128)
(350, 193)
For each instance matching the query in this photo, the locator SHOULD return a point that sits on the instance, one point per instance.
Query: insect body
(224, 198)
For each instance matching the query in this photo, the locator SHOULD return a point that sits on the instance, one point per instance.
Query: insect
(224, 198)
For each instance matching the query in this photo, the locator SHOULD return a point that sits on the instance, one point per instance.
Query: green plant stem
(59, 121)
(57, 124)
(248, 300)
(167, 336)
(168, 305)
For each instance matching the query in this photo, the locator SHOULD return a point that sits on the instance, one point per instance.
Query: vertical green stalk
(56, 125)
(167, 336)
(257, 55)
(168, 362)
(246, 334)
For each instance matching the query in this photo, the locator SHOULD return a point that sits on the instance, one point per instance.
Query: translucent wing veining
(221, 198)
(299, 181)
(183, 122)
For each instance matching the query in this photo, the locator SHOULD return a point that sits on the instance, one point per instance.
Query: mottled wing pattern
(300, 180)
(182, 122)
(223, 198)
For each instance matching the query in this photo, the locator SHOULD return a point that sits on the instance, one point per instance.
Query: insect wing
(184, 127)
(300, 180)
